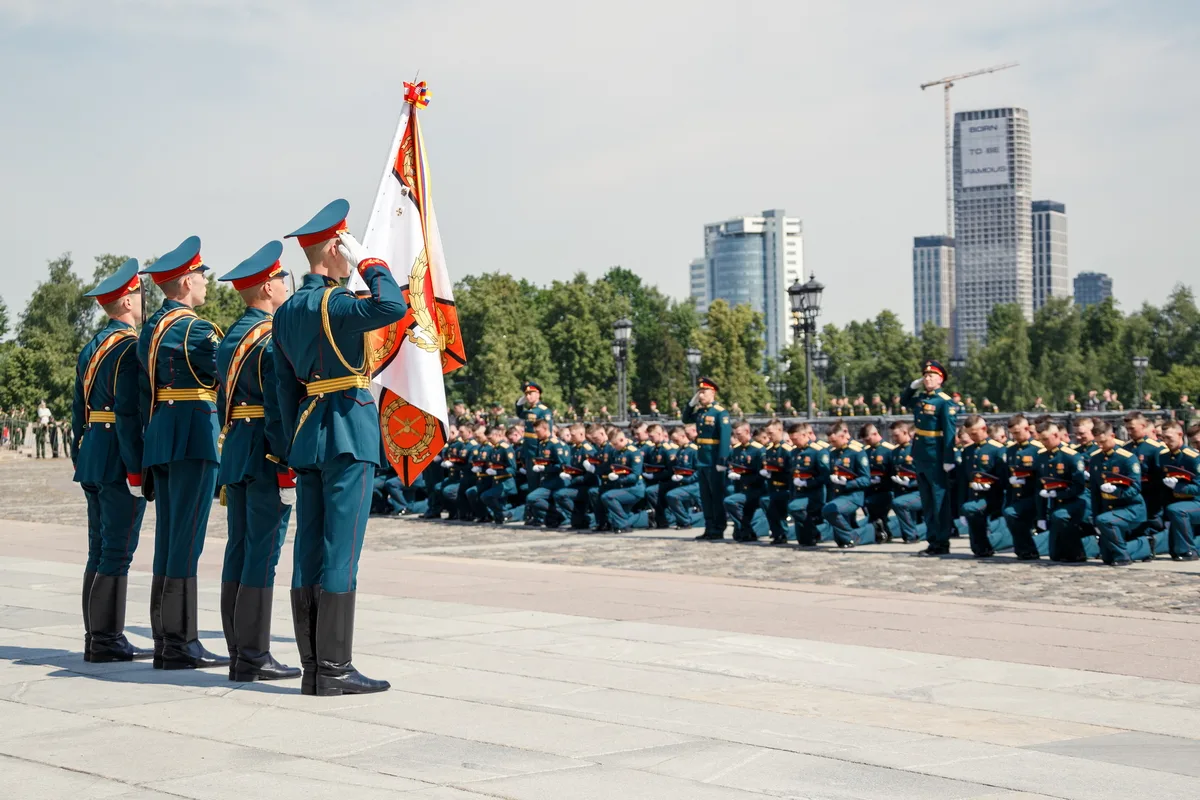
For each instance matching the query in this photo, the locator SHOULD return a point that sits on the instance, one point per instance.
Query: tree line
(561, 335)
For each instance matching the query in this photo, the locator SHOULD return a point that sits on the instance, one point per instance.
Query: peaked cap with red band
(933, 366)
(178, 262)
(326, 225)
(707, 383)
(122, 282)
(258, 268)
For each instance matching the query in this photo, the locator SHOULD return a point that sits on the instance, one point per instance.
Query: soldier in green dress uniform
(257, 486)
(329, 416)
(106, 449)
(712, 439)
(933, 453)
(178, 354)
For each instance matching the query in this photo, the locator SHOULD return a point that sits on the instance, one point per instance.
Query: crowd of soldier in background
(1031, 484)
(50, 435)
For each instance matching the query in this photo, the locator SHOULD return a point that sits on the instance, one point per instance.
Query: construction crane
(946, 83)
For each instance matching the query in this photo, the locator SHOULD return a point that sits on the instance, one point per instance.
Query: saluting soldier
(712, 438)
(256, 484)
(1181, 471)
(1116, 489)
(178, 354)
(323, 368)
(106, 448)
(933, 453)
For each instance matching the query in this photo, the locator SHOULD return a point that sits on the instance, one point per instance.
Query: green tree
(578, 337)
(731, 346)
(1005, 360)
(1056, 350)
(499, 321)
(222, 306)
(3, 318)
(53, 328)
(935, 344)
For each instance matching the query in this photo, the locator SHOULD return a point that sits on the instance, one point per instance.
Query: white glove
(612, 476)
(963, 520)
(975, 487)
(1049, 493)
(801, 482)
(477, 470)
(695, 399)
(1170, 482)
(136, 491)
(590, 467)
(1042, 525)
(353, 252)
(521, 400)
(916, 384)
(436, 459)
(1015, 481)
(875, 479)
(490, 471)
(1108, 488)
(287, 496)
(766, 473)
(838, 479)
(522, 470)
(735, 476)
(900, 481)
(677, 478)
(949, 467)
(720, 468)
(539, 467)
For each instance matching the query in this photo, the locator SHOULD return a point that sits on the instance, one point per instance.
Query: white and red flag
(410, 357)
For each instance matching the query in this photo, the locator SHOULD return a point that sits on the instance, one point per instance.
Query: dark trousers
(712, 500)
(1020, 517)
(333, 503)
(114, 526)
(933, 484)
(183, 497)
(257, 524)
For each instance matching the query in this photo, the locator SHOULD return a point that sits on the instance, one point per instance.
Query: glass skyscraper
(1049, 252)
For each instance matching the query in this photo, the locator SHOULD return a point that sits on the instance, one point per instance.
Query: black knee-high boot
(252, 639)
(181, 638)
(304, 620)
(88, 577)
(156, 628)
(229, 593)
(107, 615)
(335, 645)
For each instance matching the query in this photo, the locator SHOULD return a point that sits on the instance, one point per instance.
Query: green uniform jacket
(935, 414)
(712, 433)
(107, 451)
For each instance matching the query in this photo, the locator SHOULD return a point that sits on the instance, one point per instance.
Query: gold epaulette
(889, 445)
(854, 445)
(1121, 451)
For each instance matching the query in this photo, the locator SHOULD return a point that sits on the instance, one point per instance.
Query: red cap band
(309, 239)
(257, 278)
(170, 275)
(129, 288)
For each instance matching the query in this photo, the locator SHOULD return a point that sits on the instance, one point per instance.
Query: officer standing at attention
(1116, 489)
(1181, 471)
(530, 410)
(1066, 505)
(258, 488)
(1021, 510)
(850, 476)
(933, 452)
(323, 371)
(178, 355)
(985, 471)
(712, 439)
(106, 448)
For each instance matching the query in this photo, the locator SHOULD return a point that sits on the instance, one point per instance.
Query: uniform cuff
(286, 480)
(367, 263)
(133, 478)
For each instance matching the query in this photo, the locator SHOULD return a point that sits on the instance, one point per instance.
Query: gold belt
(338, 384)
(708, 441)
(163, 395)
(920, 432)
(248, 412)
(101, 416)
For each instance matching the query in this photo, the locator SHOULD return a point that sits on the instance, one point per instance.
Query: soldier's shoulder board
(788, 446)
(1187, 451)
(820, 445)
(756, 445)
(541, 406)
(1066, 448)
(670, 446)
(889, 446)
(692, 446)
(629, 448)
(943, 395)
(994, 443)
(854, 445)
(1121, 451)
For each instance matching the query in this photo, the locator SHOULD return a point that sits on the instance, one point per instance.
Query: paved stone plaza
(534, 664)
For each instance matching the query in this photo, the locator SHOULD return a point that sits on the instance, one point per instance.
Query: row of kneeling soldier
(1023, 486)
(275, 413)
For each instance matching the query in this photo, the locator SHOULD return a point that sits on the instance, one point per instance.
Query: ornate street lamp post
(622, 341)
(806, 307)
(1139, 365)
(693, 362)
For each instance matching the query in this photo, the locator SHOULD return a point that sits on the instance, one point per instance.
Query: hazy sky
(579, 135)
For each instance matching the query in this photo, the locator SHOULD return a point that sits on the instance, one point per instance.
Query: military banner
(410, 358)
